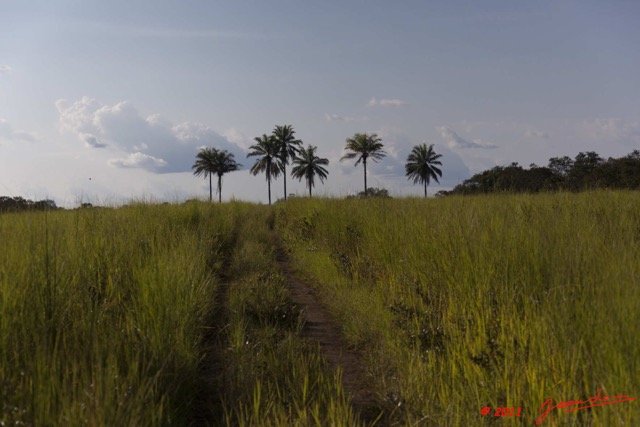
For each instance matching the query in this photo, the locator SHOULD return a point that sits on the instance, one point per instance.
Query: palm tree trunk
(364, 163)
(285, 181)
(219, 188)
(309, 189)
(210, 189)
(425, 189)
(269, 183)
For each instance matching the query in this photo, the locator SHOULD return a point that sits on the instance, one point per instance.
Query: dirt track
(319, 326)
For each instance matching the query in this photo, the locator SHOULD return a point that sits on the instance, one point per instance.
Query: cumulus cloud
(152, 143)
(7, 132)
(4, 69)
(91, 141)
(236, 137)
(374, 102)
(613, 129)
(139, 160)
(456, 141)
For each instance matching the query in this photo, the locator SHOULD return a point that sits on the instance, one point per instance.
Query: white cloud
(151, 143)
(78, 116)
(373, 102)
(190, 131)
(7, 132)
(337, 118)
(238, 138)
(612, 129)
(138, 160)
(456, 141)
(92, 141)
(4, 69)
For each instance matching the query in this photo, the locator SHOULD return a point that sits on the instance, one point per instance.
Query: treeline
(19, 204)
(587, 171)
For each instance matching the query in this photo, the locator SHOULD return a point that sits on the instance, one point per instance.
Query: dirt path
(207, 410)
(320, 326)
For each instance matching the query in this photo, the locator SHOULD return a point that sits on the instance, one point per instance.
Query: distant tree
(620, 173)
(204, 166)
(539, 178)
(634, 155)
(44, 205)
(19, 204)
(585, 171)
(223, 162)
(288, 147)
(210, 161)
(628, 170)
(381, 193)
(421, 165)
(269, 162)
(308, 165)
(364, 146)
(512, 178)
(443, 193)
(561, 165)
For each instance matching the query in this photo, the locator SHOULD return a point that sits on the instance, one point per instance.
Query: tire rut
(321, 327)
(207, 410)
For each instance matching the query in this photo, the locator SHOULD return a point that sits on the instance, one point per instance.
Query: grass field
(180, 314)
(102, 313)
(500, 301)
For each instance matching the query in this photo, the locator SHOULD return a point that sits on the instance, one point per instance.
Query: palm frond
(308, 166)
(212, 161)
(421, 165)
(268, 152)
(365, 146)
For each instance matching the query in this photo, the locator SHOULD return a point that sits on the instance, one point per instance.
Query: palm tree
(288, 147)
(269, 162)
(308, 165)
(421, 165)
(363, 146)
(211, 161)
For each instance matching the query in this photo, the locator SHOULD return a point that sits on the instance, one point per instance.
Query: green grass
(101, 313)
(504, 301)
(272, 376)
(105, 314)
(456, 304)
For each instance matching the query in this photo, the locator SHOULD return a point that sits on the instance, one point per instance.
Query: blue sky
(124, 93)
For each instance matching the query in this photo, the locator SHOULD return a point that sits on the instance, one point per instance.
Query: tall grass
(456, 303)
(466, 302)
(102, 312)
(272, 376)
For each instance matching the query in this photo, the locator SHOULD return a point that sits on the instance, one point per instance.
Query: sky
(109, 101)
